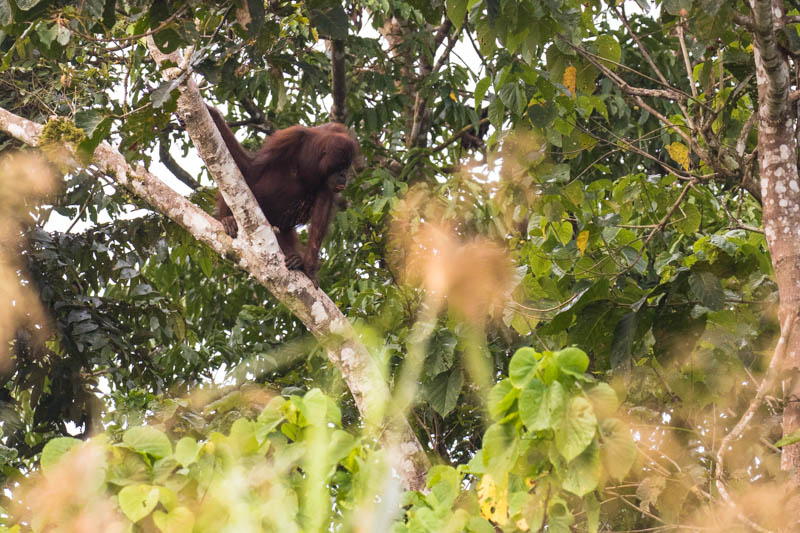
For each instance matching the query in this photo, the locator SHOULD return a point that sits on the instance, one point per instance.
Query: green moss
(58, 133)
(61, 130)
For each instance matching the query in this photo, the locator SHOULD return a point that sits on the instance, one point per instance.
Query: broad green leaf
(501, 397)
(708, 289)
(186, 451)
(540, 405)
(687, 219)
(609, 48)
(331, 21)
(617, 447)
(445, 390)
(25, 5)
(55, 449)
(572, 361)
(496, 113)
(480, 90)
(46, 34)
(624, 335)
(512, 97)
(179, 520)
(270, 417)
(584, 472)
(542, 114)
(678, 8)
(340, 445)
(500, 448)
(456, 11)
(149, 440)
(592, 507)
(604, 400)
(137, 501)
(444, 483)
(522, 367)
(5, 13)
(576, 430)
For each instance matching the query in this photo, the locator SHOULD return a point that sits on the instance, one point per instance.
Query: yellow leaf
(582, 240)
(570, 79)
(453, 96)
(494, 505)
(680, 153)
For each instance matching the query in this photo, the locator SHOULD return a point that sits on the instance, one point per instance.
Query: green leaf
(543, 114)
(678, 8)
(445, 390)
(789, 439)
(513, 97)
(46, 34)
(63, 35)
(540, 405)
(6, 15)
(577, 429)
(572, 361)
(496, 113)
(168, 40)
(330, 21)
(500, 449)
(501, 397)
(186, 451)
(624, 334)
(456, 11)
(480, 90)
(163, 92)
(583, 474)
(270, 417)
(149, 440)
(522, 367)
(609, 48)
(604, 400)
(707, 288)
(55, 449)
(137, 501)
(617, 447)
(687, 220)
(340, 444)
(25, 5)
(179, 520)
(444, 484)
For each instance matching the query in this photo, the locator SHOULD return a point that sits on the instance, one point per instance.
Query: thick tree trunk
(780, 191)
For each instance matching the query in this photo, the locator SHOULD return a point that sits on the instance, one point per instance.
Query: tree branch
(771, 58)
(260, 256)
(173, 166)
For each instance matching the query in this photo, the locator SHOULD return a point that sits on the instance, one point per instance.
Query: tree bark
(780, 192)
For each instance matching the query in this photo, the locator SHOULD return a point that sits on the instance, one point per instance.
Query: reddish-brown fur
(295, 177)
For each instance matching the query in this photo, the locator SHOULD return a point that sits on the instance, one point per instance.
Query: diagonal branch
(260, 256)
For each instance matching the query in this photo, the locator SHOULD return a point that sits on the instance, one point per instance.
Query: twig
(456, 136)
(686, 61)
(173, 166)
